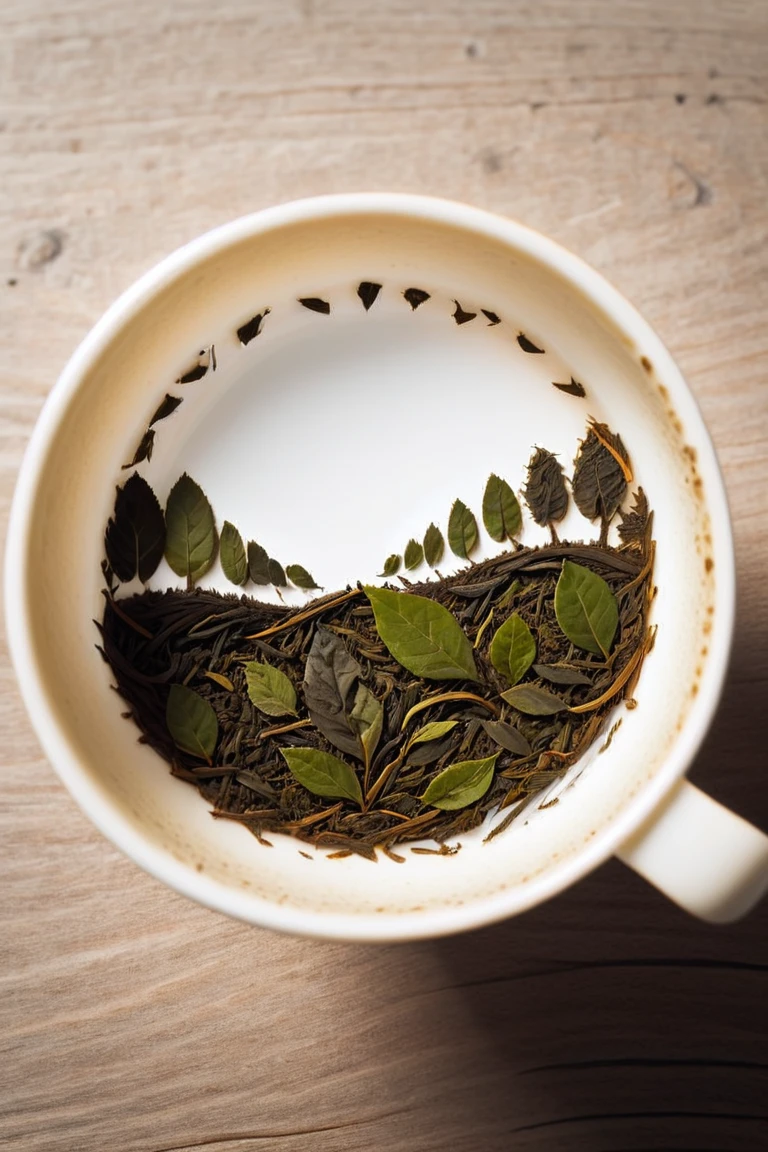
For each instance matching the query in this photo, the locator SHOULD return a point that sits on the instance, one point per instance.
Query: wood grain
(635, 133)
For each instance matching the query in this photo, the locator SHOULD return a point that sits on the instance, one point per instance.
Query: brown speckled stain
(646, 363)
(708, 563)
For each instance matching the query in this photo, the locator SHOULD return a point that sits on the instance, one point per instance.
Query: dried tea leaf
(222, 681)
(533, 701)
(269, 689)
(491, 317)
(392, 565)
(586, 609)
(422, 635)
(433, 731)
(166, 406)
(462, 530)
(315, 304)
(501, 511)
(573, 389)
(366, 719)
(415, 297)
(195, 373)
(461, 784)
(190, 530)
(144, 450)
(331, 679)
(135, 537)
(599, 483)
(513, 649)
(276, 574)
(633, 525)
(428, 753)
(413, 555)
(545, 493)
(300, 577)
(258, 563)
(234, 561)
(561, 674)
(323, 774)
(252, 328)
(462, 317)
(434, 546)
(191, 722)
(507, 737)
(368, 292)
(528, 345)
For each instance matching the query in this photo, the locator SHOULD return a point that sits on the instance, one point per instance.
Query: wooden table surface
(636, 134)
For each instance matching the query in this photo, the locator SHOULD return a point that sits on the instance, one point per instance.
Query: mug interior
(333, 438)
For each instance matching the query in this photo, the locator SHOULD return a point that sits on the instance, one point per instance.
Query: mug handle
(701, 855)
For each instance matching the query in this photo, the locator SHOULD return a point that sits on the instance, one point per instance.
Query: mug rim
(96, 803)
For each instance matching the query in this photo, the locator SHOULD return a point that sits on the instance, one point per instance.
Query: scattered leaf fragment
(164, 409)
(528, 345)
(415, 297)
(462, 317)
(368, 291)
(195, 373)
(315, 304)
(573, 389)
(144, 450)
(252, 328)
(491, 317)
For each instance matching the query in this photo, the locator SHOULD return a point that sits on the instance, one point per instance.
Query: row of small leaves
(139, 534)
(427, 640)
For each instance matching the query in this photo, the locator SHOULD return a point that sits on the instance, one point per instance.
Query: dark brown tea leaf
(300, 577)
(561, 674)
(634, 523)
(461, 784)
(422, 635)
(501, 510)
(269, 689)
(258, 563)
(513, 649)
(507, 737)
(190, 530)
(391, 565)
(331, 680)
(599, 483)
(252, 328)
(586, 609)
(277, 574)
(234, 561)
(545, 493)
(573, 389)
(434, 546)
(135, 537)
(415, 297)
(462, 317)
(528, 345)
(368, 291)
(195, 373)
(144, 450)
(315, 304)
(491, 317)
(164, 409)
(533, 701)
(462, 530)
(413, 555)
(191, 722)
(323, 774)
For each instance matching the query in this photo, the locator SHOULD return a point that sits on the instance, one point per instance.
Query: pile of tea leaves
(379, 716)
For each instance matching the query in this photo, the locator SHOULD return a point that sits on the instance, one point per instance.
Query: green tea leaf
(422, 635)
(269, 689)
(507, 737)
(323, 774)
(276, 574)
(533, 701)
(258, 563)
(391, 565)
(462, 530)
(413, 555)
(461, 784)
(432, 731)
(367, 719)
(545, 492)
(135, 537)
(586, 609)
(434, 546)
(234, 561)
(501, 511)
(331, 682)
(191, 722)
(513, 649)
(300, 577)
(561, 674)
(191, 540)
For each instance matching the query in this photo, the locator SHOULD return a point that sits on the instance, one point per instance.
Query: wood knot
(43, 248)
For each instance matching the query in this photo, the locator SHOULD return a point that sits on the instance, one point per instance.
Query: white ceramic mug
(296, 438)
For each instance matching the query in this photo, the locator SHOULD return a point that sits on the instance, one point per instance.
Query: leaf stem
(265, 732)
(445, 696)
(307, 615)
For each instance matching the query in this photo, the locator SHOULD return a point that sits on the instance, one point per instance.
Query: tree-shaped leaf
(545, 493)
(135, 537)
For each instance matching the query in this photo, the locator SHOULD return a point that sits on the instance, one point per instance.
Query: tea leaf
(461, 784)
(462, 530)
(573, 389)
(434, 545)
(432, 731)
(561, 674)
(269, 689)
(444, 698)
(195, 373)
(424, 754)
(501, 511)
(507, 737)
(422, 635)
(144, 450)
(415, 297)
(191, 722)
(413, 555)
(164, 409)
(234, 561)
(491, 317)
(533, 701)
(315, 304)
(222, 681)
(300, 577)
(252, 328)
(191, 540)
(462, 317)
(331, 679)
(545, 493)
(368, 293)
(367, 719)
(513, 649)
(392, 565)
(599, 483)
(528, 345)
(258, 563)
(276, 574)
(586, 609)
(135, 537)
(323, 774)
(634, 523)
